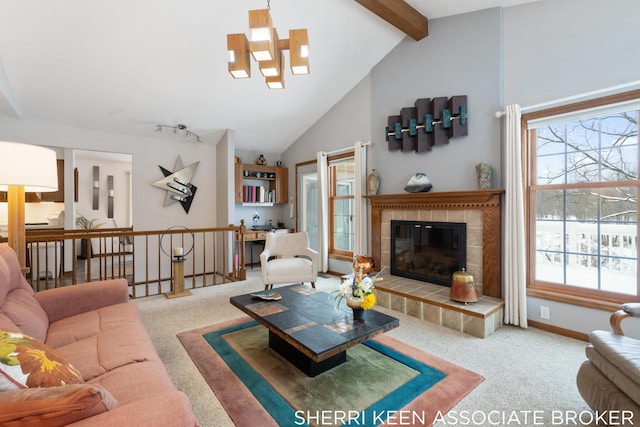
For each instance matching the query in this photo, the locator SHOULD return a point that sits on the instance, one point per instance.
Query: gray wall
(584, 46)
(461, 56)
(526, 54)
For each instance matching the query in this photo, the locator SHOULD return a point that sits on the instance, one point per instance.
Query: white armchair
(287, 258)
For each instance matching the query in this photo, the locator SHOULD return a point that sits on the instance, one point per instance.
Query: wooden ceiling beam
(401, 15)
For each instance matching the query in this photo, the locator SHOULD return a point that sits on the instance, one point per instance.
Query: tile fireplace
(480, 213)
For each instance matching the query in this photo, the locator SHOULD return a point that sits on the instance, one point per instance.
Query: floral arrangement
(358, 286)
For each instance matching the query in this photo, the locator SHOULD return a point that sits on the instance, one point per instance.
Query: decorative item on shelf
(363, 263)
(278, 163)
(463, 287)
(237, 159)
(261, 160)
(179, 128)
(178, 184)
(267, 49)
(373, 183)
(418, 183)
(357, 290)
(483, 172)
(429, 122)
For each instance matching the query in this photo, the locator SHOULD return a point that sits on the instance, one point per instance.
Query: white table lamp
(24, 167)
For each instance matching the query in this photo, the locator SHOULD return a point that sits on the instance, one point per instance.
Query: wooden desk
(255, 237)
(306, 330)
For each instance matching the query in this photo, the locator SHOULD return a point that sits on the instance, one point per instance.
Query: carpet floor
(254, 382)
(524, 369)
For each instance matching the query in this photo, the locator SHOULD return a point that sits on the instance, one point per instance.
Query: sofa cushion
(621, 351)
(136, 381)
(18, 308)
(81, 326)
(600, 393)
(54, 406)
(289, 270)
(115, 347)
(27, 362)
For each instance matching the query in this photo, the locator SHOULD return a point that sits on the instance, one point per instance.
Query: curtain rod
(343, 150)
(598, 92)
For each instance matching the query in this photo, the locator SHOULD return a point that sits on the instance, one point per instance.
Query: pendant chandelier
(266, 48)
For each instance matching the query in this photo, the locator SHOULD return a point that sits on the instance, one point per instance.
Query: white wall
(148, 153)
(121, 172)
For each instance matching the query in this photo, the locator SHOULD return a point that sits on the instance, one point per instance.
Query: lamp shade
(272, 67)
(277, 82)
(299, 51)
(261, 41)
(238, 48)
(30, 166)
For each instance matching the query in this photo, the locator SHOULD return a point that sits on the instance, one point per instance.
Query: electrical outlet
(545, 312)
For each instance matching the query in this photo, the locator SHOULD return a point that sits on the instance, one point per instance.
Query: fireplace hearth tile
(414, 308)
(432, 313)
(431, 302)
(397, 303)
(452, 320)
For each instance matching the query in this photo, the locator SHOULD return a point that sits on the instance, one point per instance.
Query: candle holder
(178, 256)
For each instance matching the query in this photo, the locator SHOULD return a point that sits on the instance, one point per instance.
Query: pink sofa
(96, 330)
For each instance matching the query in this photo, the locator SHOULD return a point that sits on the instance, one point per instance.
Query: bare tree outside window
(584, 193)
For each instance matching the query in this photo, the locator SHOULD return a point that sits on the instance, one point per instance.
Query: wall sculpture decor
(429, 122)
(178, 184)
(110, 196)
(96, 188)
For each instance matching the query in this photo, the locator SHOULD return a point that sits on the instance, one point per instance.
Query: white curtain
(514, 273)
(360, 220)
(323, 212)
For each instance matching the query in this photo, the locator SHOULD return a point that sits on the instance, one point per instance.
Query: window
(583, 199)
(341, 205)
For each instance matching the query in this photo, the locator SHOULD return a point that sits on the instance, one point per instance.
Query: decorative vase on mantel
(373, 183)
(356, 306)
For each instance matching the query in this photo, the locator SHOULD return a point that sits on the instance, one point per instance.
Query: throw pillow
(26, 362)
(54, 406)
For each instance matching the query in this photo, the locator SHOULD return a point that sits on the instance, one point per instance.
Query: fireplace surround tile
(479, 209)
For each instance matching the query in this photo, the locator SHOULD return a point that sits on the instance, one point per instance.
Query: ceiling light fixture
(179, 128)
(266, 48)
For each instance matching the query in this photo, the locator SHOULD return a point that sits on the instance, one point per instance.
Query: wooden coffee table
(306, 329)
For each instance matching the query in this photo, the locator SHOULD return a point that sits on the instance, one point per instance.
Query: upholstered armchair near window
(287, 258)
(610, 378)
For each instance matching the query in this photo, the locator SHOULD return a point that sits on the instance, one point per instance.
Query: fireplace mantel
(486, 201)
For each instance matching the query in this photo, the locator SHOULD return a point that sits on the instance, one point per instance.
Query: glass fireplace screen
(428, 251)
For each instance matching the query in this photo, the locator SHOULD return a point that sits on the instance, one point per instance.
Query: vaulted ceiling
(124, 66)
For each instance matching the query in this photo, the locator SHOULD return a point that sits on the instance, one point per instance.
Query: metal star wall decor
(178, 184)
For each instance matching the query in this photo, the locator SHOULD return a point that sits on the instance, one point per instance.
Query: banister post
(241, 273)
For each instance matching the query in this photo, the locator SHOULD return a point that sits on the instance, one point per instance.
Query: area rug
(383, 382)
